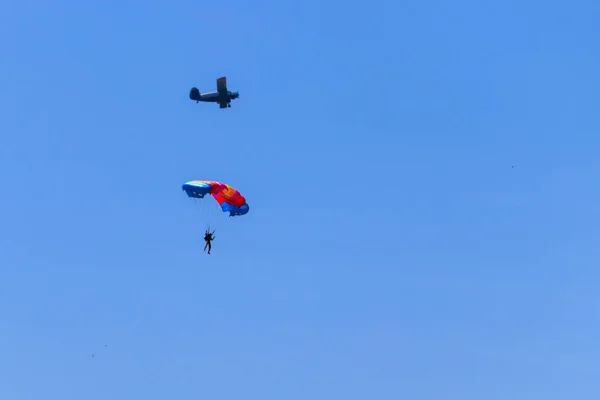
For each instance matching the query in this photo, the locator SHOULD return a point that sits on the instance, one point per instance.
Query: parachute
(229, 199)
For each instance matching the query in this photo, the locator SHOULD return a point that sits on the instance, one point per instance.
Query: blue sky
(423, 188)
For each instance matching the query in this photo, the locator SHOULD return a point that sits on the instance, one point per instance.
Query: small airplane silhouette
(222, 96)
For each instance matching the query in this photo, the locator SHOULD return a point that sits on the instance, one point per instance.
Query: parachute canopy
(230, 199)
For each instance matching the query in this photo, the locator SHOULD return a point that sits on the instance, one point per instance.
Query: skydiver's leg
(209, 247)
(205, 246)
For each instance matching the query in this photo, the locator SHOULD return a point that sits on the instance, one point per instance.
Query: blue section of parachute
(196, 190)
(233, 210)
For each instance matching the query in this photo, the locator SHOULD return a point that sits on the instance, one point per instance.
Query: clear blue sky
(391, 250)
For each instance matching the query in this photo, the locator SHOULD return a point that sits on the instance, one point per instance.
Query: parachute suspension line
(209, 216)
(212, 211)
(204, 210)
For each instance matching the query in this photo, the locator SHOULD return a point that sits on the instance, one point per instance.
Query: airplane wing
(222, 84)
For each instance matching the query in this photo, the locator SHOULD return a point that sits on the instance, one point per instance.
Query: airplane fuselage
(215, 97)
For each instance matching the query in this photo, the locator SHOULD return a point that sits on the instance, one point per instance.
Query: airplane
(222, 96)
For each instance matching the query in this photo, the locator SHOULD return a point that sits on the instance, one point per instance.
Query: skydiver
(208, 237)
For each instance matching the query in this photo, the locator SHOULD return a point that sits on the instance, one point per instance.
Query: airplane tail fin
(195, 94)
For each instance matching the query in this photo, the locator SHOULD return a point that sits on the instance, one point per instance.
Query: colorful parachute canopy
(229, 198)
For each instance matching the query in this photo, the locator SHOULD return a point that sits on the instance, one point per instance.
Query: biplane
(222, 96)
